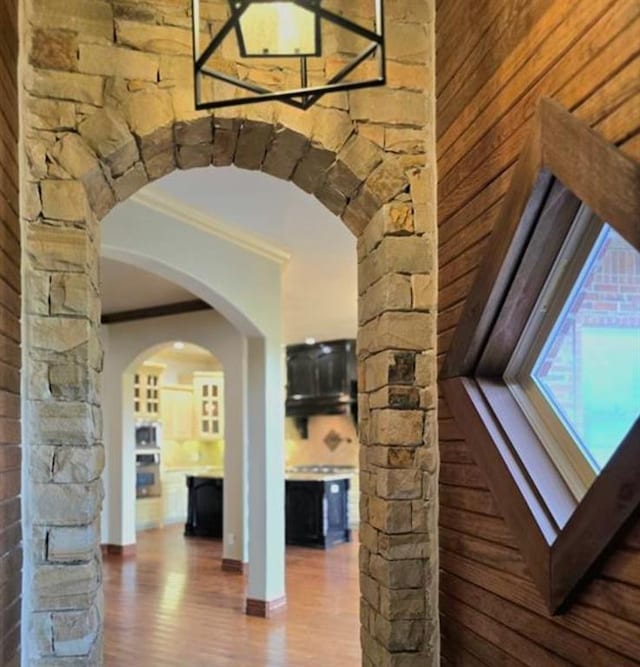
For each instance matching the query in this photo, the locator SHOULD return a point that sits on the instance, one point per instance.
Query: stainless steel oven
(148, 473)
(147, 434)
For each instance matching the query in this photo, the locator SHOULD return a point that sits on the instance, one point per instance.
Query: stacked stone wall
(10, 288)
(108, 107)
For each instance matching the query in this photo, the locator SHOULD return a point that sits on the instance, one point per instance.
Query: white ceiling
(319, 281)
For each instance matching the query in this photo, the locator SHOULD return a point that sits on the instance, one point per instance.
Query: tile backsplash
(333, 440)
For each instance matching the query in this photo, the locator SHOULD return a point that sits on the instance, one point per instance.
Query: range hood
(321, 380)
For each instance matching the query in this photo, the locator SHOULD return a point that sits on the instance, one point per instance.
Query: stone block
(160, 165)
(286, 150)
(64, 422)
(73, 294)
(397, 330)
(399, 484)
(390, 516)
(75, 632)
(149, 112)
(397, 427)
(50, 115)
(342, 179)
(188, 157)
(76, 465)
(370, 590)
(114, 61)
(423, 288)
(194, 132)
(108, 135)
(71, 544)
(311, 171)
(57, 334)
(130, 182)
(331, 128)
(405, 547)
(392, 107)
(62, 587)
(426, 369)
(66, 504)
(360, 156)
(37, 292)
(154, 38)
(69, 381)
(391, 292)
(225, 140)
(408, 42)
(64, 200)
(53, 49)
(91, 19)
(253, 141)
(395, 254)
(332, 198)
(72, 86)
(399, 635)
(398, 573)
(388, 181)
(57, 249)
(404, 140)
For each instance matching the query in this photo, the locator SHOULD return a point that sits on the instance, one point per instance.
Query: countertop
(289, 476)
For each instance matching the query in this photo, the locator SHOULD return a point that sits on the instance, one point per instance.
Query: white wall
(127, 344)
(245, 288)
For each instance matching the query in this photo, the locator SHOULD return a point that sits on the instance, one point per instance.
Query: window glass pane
(589, 368)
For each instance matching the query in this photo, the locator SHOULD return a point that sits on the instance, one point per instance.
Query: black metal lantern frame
(304, 96)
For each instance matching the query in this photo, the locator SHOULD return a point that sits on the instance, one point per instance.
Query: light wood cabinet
(146, 392)
(208, 389)
(175, 497)
(177, 412)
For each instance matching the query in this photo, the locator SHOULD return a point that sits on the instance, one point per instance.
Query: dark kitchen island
(316, 505)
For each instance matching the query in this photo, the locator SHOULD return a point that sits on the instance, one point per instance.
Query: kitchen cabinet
(176, 411)
(174, 494)
(146, 392)
(321, 380)
(208, 389)
(149, 513)
(317, 512)
(205, 504)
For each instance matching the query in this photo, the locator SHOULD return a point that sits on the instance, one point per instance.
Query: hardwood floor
(172, 605)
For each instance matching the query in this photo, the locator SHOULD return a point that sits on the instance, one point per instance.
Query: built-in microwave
(148, 474)
(147, 435)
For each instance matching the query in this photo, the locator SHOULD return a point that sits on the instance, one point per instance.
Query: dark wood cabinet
(204, 514)
(317, 512)
(321, 379)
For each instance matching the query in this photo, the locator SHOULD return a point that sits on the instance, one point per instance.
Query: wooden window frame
(563, 165)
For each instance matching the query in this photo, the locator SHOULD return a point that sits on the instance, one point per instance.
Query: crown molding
(156, 200)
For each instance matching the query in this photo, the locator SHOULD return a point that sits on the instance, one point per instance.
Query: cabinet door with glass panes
(208, 391)
(146, 392)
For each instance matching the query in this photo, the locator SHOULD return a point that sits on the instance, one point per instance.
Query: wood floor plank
(171, 605)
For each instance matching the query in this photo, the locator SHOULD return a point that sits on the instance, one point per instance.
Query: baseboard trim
(233, 565)
(122, 550)
(265, 608)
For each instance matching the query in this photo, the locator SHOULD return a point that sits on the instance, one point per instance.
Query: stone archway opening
(92, 140)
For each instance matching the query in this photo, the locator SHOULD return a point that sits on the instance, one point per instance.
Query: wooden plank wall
(10, 528)
(494, 59)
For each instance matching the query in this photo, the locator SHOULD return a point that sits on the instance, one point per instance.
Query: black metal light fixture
(291, 30)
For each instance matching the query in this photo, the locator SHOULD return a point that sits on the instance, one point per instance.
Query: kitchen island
(316, 507)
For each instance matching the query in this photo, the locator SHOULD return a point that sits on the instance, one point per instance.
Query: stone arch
(108, 108)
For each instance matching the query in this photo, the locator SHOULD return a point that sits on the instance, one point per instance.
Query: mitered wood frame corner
(563, 164)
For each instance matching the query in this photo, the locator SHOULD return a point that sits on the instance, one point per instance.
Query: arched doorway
(125, 132)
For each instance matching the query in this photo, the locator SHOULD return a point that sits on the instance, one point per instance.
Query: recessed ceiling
(320, 279)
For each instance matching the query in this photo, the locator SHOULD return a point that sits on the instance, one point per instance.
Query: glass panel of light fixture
(278, 29)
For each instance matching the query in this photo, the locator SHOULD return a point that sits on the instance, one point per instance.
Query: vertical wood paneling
(10, 527)
(495, 59)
